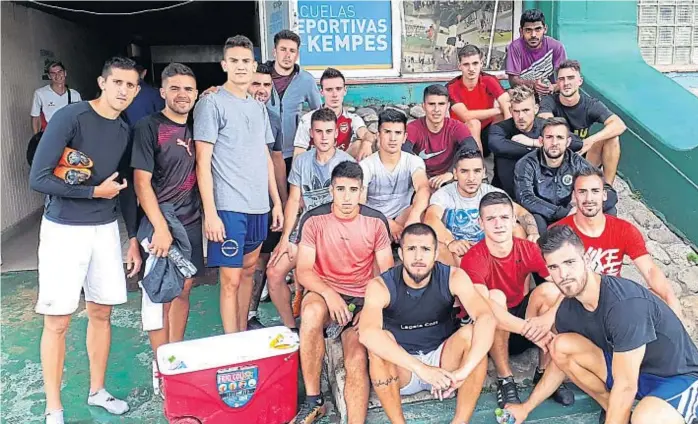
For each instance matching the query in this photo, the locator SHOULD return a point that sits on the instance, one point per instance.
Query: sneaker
(507, 391)
(297, 301)
(55, 417)
(74, 158)
(72, 176)
(563, 395)
(309, 413)
(254, 324)
(104, 399)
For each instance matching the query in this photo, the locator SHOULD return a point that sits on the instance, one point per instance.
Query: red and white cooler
(247, 378)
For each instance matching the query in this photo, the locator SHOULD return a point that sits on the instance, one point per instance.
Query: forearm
(312, 282)
(129, 209)
(45, 182)
(528, 222)
(280, 175)
(483, 337)
(659, 284)
(505, 109)
(380, 344)
(552, 379)
(205, 181)
(419, 205)
(290, 217)
(36, 124)
(609, 131)
(515, 80)
(149, 202)
(443, 235)
(620, 402)
(482, 114)
(273, 189)
(298, 150)
(505, 320)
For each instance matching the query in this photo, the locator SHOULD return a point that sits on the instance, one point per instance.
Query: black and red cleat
(72, 176)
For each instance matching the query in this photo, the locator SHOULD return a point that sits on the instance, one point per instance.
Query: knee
(647, 413)
(498, 297)
(560, 348)
(99, 314)
(313, 316)
(544, 296)
(276, 275)
(57, 326)
(186, 290)
(229, 280)
(474, 125)
(355, 357)
(465, 336)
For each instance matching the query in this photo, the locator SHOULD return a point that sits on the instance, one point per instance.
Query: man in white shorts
(392, 177)
(454, 209)
(411, 334)
(79, 243)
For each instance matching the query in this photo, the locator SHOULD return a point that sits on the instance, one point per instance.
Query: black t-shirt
(166, 149)
(627, 317)
(581, 116)
(107, 143)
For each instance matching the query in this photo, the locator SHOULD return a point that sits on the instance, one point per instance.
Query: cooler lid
(225, 350)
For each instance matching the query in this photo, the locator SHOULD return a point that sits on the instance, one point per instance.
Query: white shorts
(77, 257)
(416, 385)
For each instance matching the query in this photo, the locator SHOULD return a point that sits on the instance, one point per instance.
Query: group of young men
(274, 191)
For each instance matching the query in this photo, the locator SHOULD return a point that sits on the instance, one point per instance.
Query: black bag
(34, 141)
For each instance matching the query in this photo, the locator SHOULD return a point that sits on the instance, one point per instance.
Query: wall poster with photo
(434, 31)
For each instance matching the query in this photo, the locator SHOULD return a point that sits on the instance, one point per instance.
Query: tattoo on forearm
(529, 223)
(389, 381)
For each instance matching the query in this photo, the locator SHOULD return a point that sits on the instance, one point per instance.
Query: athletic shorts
(196, 240)
(73, 258)
(517, 343)
(416, 384)
(244, 233)
(679, 391)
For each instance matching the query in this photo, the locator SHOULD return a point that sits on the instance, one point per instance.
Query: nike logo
(424, 155)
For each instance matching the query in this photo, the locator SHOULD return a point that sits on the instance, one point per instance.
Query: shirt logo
(186, 144)
(344, 127)
(603, 261)
(567, 179)
(424, 155)
(229, 248)
(50, 104)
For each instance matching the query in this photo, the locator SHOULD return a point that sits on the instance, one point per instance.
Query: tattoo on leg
(389, 381)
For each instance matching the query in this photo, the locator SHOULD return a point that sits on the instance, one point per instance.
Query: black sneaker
(563, 395)
(309, 413)
(507, 392)
(254, 324)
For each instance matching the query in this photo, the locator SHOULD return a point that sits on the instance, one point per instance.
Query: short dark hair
(435, 90)
(118, 62)
(467, 51)
(555, 121)
(392, 115)
(174, 69)
(54, 63)
(530, 16)
(587, 171)
(463, 154)
(495, 198)
(557, 236)
(418, 229)
(238, 41)
(263, 68)
(332, 73)
(323, 115)
(348, 169)
(286, 34)
(570, 64)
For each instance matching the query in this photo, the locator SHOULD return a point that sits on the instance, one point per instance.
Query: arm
(305, 273)
(527, 221)
(626, 370)
(149, 202)
(204, 154)
(485, 323)
(36, 124)
(384, 259)
(612, 127)
(36, 113)
(501, 144)
(504, 102)
(127, 196)
(524, 176)
(367, 140)
(421, 196)
(433, 218)
(293, 205)
(515, 80)
(48, 153)
(371, 333)
(657, 282)
(465, 114)
(277, 158)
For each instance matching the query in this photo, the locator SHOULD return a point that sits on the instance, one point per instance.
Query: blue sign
(236, 386)
(345, 34)
(276, 19)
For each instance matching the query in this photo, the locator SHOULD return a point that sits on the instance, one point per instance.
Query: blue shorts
(679, 391)
(241, 229)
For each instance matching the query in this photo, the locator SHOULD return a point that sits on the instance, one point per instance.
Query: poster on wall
(434, 31)
(45, 59)
(345, 34)
(276, 17)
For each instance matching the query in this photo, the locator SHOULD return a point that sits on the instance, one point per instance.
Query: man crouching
(422, 346)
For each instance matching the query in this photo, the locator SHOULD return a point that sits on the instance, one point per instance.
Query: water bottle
(183, 264)
(503, 416)
(334, 329)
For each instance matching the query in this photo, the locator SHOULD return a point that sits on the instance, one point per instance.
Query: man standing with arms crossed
(235, 173)
(409, 328)
(79, 245)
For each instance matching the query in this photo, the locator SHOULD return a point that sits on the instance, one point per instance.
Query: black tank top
(420, 319)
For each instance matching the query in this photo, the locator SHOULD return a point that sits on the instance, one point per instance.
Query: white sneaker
(156, 379)
(107, 401)
(265, 294)
(55, 417)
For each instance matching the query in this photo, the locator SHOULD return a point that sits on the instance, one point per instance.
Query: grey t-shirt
(240, 131)
(390, 192)
(313, 178)
(629, 316)
(461, 213)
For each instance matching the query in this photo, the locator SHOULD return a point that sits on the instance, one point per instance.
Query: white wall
(24, 32)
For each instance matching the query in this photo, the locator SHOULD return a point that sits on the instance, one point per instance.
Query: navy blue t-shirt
(627, 317)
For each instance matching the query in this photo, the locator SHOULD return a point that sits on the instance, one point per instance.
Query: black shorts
(196, 239)
(272, 239)
(517, 343)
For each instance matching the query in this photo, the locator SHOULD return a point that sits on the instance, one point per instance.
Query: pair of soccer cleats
(73, 167)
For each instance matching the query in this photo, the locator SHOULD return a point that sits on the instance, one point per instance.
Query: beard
(590, 213)
(554, 155)
(572, 290)
(418, 278)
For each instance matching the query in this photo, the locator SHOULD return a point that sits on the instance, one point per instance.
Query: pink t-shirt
(345, 248)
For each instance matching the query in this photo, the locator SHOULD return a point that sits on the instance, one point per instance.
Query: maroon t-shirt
(506, 274)
(281, 82)
(438, 149)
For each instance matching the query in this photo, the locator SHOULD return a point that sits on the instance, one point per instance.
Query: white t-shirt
(390, 192)
(348, 125)
(461, 213)
(48, 101)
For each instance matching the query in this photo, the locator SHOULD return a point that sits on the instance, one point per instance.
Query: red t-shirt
(438, 149)
(481, 97)
(606, 252)
(507, 274)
